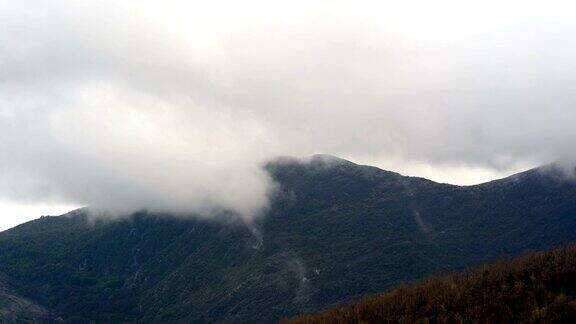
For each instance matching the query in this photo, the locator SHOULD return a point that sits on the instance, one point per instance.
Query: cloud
(176, 105)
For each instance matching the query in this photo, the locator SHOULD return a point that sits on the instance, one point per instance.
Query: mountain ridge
(332, 234)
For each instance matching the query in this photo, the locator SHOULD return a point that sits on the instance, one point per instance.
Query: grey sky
(174, 105)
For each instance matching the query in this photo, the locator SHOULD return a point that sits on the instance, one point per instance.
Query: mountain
(536, 288)
(17, 309)
(335, 231)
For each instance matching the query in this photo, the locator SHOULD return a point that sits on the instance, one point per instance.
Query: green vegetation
(335, 232)
(538, 288)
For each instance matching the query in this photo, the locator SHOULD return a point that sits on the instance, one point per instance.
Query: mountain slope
(335, 231)
(17, 309)
(538, 288)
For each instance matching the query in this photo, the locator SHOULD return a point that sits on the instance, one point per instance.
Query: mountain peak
(334, 231)
(328, 158)
(311, 159)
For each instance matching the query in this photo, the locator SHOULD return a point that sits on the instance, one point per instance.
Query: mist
(176, 106)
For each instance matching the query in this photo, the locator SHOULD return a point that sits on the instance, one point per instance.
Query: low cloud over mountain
(176, 106)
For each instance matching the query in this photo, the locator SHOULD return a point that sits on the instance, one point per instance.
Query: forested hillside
(335, 232)
(537, 288)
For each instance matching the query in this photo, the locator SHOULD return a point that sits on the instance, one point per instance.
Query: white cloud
(176, 104)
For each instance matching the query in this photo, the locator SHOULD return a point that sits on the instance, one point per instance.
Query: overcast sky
(175, 105)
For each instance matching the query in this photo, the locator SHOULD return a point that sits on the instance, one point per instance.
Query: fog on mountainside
(175, 106)
(335, 231)
(251, 161)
